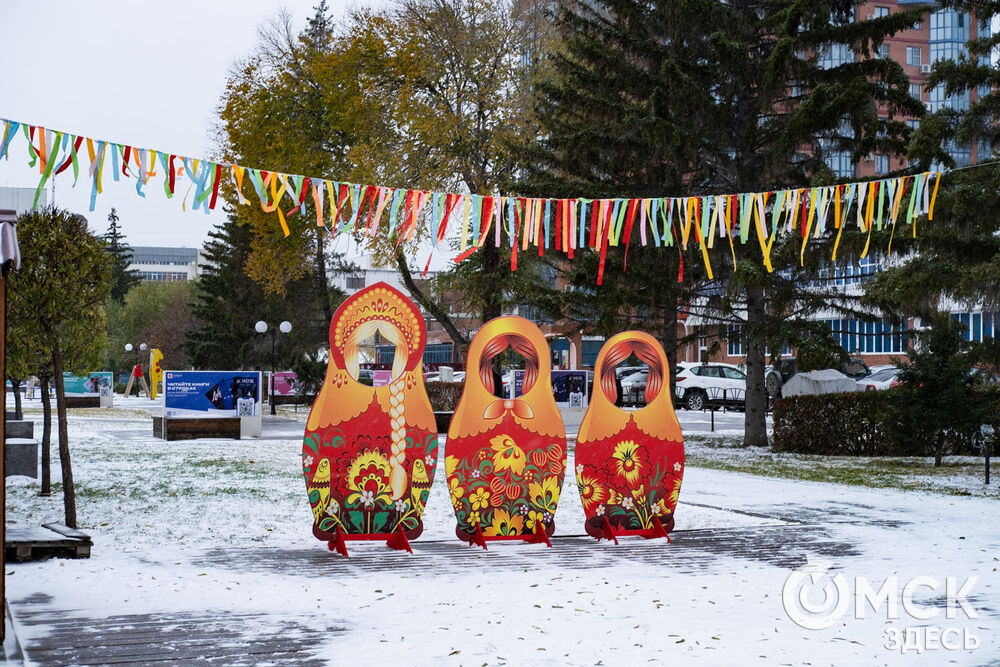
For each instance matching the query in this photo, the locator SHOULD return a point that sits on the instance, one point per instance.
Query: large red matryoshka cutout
(369, 452)
(505, 458)
(629, 463)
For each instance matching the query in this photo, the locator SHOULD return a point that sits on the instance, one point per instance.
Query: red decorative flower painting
(629, 463)
(505, 458)
(369, 453)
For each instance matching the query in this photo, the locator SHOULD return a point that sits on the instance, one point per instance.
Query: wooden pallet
(45, 541)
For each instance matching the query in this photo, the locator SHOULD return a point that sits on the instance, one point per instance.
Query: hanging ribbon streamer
(563, 225)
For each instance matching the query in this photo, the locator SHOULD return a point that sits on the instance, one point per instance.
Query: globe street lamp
(261, 327)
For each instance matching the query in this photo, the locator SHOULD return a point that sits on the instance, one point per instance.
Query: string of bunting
(562, 225)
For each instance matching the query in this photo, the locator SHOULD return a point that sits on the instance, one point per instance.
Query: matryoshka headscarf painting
(629, 464)
(505, 457)
(369, 452)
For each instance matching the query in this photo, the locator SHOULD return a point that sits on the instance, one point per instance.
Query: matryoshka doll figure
(629, 463)
(369, 452)
(505, 457)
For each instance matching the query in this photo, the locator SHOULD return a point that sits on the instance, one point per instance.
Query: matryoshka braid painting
(629, 463)
(369, 453)
(505, 457)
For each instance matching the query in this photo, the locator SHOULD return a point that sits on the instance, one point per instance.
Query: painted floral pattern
(505, 482)
(628, 479)
(348, 477)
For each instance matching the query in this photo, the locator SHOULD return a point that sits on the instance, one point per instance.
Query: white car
(878, 380)
(702, 385)
(634, 387)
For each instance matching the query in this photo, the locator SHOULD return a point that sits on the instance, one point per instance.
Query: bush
(851, 424)
(865, 423)
(444, 395)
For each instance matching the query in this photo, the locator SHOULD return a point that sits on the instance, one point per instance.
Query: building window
(881, 164)
(880, 12)
(913, 56)
(916, 91)
(589, 351)
(978, 326)
(355, 282)
(840, 163)
(734, 339)
(868, 337)
(949, 25)
(835, 55)
(883, 51)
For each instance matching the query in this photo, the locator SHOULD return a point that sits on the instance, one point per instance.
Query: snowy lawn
(219, 527)
(958, 475)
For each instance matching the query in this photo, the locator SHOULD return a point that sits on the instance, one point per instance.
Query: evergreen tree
(122, 278)
(958, 253)
(941, 403)
(230, 302)
(704, 97)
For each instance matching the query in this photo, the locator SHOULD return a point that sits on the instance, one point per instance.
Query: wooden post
(10, 257)
(3, 450)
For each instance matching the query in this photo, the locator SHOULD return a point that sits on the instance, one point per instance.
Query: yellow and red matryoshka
(369, 453)
(629, 463)
(505, 457)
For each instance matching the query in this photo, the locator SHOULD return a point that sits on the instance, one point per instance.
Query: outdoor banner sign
(505, 458)
(381, 378)
(629, 463)
(91, 384)
(205, 394)
(369, 453)
(569, 388)
(284, 383)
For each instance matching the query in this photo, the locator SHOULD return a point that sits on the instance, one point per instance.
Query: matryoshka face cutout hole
(502, 359)
(379, 362)
(631, 374)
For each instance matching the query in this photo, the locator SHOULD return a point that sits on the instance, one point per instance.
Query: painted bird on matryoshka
(379, 443)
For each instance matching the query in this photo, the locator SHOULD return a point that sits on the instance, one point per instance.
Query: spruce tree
(229, 303)
(704, 97)
(958, 253)
(122, 278)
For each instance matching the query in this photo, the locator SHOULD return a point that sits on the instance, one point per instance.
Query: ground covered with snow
(219, 528)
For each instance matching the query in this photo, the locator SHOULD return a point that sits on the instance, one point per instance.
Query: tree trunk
(321, 277)
(422, 299)
(69, 495)
(492, 304)
(15, 384)
(46, 437)
(669, 342)
(755, 419)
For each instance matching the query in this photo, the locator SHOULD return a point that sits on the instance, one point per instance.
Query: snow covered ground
(222, 528)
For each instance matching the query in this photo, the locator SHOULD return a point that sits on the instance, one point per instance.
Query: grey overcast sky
(142, 73)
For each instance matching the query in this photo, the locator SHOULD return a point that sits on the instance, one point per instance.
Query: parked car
(702, 385)
(634, 387)
(882, 379)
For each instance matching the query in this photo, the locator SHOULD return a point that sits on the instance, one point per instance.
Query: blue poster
(211, 393)
(569, 388)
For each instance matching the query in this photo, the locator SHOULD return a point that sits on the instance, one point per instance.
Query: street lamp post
(261, 327)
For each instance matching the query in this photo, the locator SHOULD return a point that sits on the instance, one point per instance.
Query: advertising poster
(195, 394)
(284, 383)
(381, 378)
(91, 384)
(569, 388)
